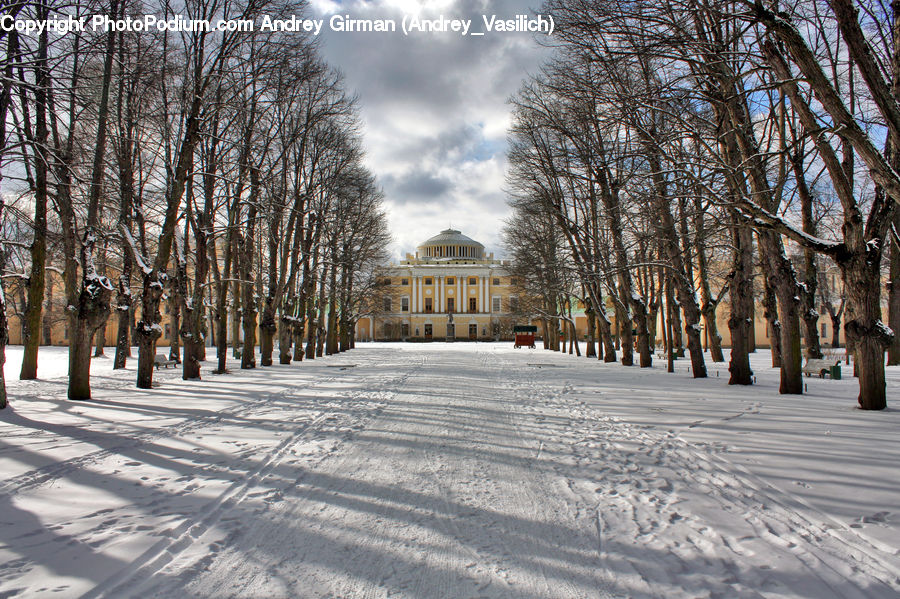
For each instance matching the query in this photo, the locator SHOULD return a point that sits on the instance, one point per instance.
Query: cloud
(416, 187)
(434, 110)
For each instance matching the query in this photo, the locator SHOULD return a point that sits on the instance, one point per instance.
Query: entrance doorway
(428, 333)
(473, 332)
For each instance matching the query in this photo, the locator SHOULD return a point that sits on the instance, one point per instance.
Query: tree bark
(865, 330)
(591, 349)
(742, 305)
(708, 304)
(684, 291)
(893, 290)
(31, 320)
(248, 304)
(92, 309)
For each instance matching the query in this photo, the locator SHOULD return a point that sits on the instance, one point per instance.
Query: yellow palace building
(448, 290)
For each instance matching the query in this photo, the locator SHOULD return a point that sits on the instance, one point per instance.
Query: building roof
(451, 237)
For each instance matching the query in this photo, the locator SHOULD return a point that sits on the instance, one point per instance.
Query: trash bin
(836, 372)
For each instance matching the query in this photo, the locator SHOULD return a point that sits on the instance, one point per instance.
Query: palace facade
(450, 289)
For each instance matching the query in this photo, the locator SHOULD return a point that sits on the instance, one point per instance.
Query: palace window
(496, 281)
(429, 305)
(451, 281)
(473, 281)
(387, 304)
(513, 303)
(451, 305)
(495, 304)
(428, 280)
(404, 304)
(404, 281)
(473, 304)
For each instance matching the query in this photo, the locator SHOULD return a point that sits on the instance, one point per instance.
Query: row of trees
(218, 170)
(677, 152)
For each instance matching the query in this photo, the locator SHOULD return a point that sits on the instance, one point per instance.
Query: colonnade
(440, 293)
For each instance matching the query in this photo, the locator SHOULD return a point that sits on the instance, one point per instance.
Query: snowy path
(432, 471)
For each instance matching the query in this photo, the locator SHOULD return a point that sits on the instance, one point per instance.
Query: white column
(440, 306)
(464, 300)
(421, 302)
(458, 294)
(483, 294)
(412, 294)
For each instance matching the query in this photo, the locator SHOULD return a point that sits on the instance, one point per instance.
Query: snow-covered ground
(446, 470)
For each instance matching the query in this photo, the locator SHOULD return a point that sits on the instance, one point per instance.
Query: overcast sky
(435, 112)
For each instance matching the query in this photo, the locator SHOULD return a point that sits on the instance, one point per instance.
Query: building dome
(450, 243)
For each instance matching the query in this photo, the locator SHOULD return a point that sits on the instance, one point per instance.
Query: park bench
(160, 360)
(820, 367)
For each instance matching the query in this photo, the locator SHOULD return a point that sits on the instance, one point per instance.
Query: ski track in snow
(466, 471)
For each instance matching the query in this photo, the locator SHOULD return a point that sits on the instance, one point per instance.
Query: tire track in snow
(536, 551)
(48, 474)
(149, 574)
(654, 492)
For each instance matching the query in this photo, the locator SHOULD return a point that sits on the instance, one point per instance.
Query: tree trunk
(319, 336)
(836, 330)
(100, 341)
(174, 326)
(93, 312)
(79, 361)
(236, 321)
(643, 331)
(331, 340)
(780, 273)
(686, 299)
(267, 330)
(623, 321)
(248, 326)
(123, 311)
(285, 329)
(671, 308)
(591, 350)
(5, 89)
(742, 305)
(677, 337)
(609, 347)
(893, 290)
(31, 321)
(311, 321)
(4, 325)
(47, 320)
(708, 304)
(93, 301)
(148, 329)
(770, 306)
(221, 317)
(865, 330)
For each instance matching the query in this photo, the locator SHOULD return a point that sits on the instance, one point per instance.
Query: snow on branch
(138, 258)
(765, 219)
